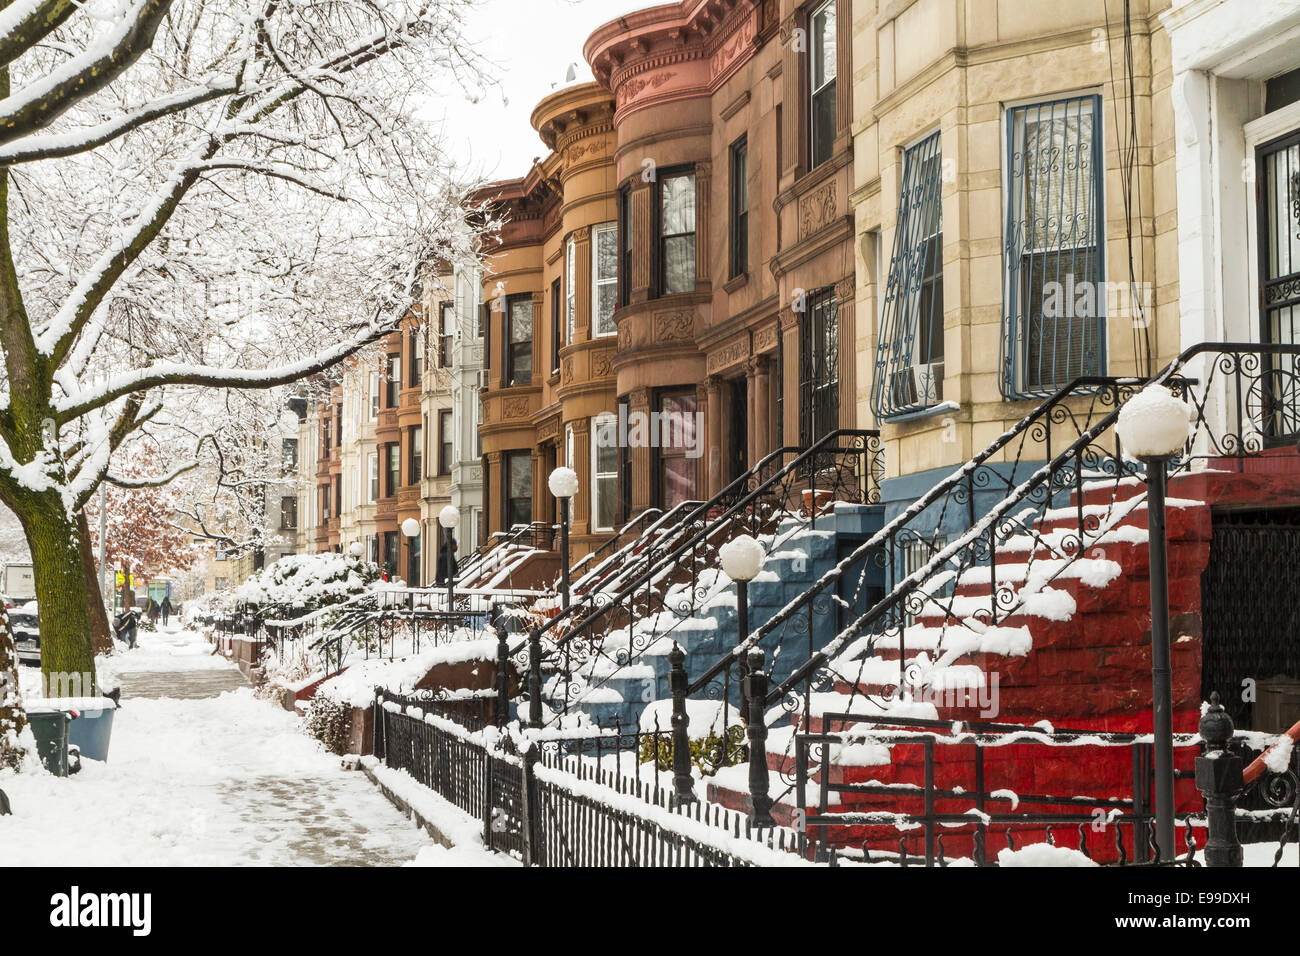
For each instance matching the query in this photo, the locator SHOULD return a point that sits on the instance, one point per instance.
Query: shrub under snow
(300, 583)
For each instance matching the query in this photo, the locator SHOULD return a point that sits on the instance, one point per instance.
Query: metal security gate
(1250, 607)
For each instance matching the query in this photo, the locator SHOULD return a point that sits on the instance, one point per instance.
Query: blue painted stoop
(798, 555)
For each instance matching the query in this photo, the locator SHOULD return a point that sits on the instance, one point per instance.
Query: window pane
(604, 273)
(678, 204)
(678, 481)
(823, 45)
(679, 265)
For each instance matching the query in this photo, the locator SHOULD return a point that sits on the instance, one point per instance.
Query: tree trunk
(12, 716)
(67, 654)
(101, 635)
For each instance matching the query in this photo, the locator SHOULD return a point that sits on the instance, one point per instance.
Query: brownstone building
(549, 293)
(703, 182)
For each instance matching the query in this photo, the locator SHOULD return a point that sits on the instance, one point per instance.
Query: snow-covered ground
(220, 781)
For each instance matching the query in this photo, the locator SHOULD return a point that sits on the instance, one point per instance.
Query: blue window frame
(909, 353)
(1054, 327)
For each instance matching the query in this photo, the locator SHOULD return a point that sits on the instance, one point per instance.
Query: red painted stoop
(1091, 671)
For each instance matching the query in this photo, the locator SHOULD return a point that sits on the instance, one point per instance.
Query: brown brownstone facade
(714, 152)
(549, 294)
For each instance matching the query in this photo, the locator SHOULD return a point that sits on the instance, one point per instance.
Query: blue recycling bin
(93, 727)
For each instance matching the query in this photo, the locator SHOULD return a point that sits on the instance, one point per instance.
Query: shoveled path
(201, 773)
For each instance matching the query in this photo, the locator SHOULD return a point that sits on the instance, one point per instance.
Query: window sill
(736, 282)
(922, 414)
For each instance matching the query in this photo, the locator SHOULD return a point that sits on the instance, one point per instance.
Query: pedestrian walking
(125, 626)
(165, 608)
(445, 572)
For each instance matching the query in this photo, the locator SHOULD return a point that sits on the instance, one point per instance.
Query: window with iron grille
(909, 351)
(740, 207)
(1054, 330)
(519, 340)
(823, 64)
(289, 513)
(819, 367)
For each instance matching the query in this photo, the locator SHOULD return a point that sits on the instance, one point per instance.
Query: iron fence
(558, 801)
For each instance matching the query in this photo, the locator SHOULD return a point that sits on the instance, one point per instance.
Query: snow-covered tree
(140, 522)
(12, 716)
(199, 194)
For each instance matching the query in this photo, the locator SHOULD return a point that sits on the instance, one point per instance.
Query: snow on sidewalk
(222, 781)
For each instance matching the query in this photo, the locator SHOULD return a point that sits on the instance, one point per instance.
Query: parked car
(25, 623)
(4, 599)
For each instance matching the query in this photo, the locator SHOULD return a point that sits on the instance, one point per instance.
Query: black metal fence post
(756, 686)
(503, 678)
(532, 845)
(683, 783)
(1218, 777)
(377, 731)
(534, 677)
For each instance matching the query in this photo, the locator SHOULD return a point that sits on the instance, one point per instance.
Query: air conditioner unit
(918, 385)
(482, 378)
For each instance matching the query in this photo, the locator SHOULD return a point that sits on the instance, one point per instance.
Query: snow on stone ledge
(1043, 854)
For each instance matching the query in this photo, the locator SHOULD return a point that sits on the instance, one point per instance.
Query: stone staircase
(1075, 650)
(632, 670)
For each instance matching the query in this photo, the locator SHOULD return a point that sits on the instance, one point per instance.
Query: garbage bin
(93, 728)
(50, 728)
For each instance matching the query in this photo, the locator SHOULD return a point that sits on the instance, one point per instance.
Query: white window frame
(610, 228)
(570, 290)
(372, 482)
(601, 420)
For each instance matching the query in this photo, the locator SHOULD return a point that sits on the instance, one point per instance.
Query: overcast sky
(532, 43)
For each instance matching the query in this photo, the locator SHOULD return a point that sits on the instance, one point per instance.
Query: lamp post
(742, 559)
(410, 528)
(563, 483)
(1153, 426)
(449, 518)
(356, 549)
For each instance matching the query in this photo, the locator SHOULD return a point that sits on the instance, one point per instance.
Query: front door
(738, 447)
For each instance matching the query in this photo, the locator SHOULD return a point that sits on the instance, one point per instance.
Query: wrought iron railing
(973, 813)
(1054, 515)
(674, 577)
